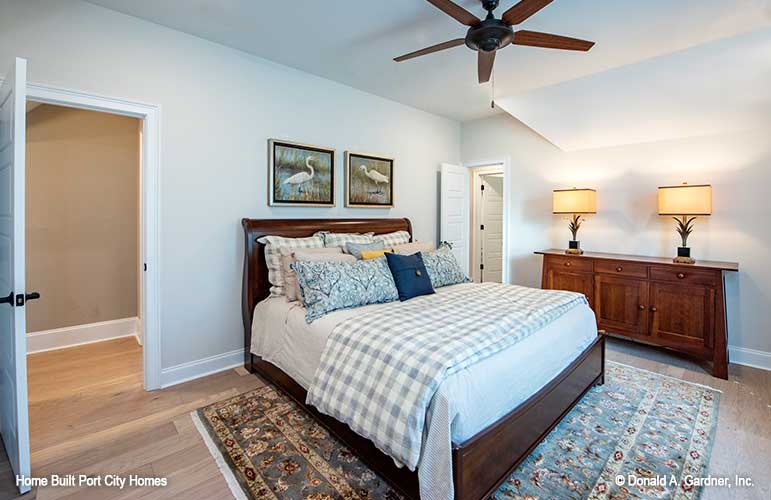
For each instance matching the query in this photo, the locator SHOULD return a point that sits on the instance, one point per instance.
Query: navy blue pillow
(410, 275)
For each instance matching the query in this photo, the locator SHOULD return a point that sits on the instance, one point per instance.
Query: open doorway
(487, 227)
(83, 256)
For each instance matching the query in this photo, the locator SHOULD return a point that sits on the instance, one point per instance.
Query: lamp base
(574, 248)
(684, 256)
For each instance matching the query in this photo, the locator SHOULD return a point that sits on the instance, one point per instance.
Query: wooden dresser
(650, 299)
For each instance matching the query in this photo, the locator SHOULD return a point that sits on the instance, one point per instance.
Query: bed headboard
(255, 285)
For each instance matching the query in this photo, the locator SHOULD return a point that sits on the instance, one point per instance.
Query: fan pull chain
(492, 99)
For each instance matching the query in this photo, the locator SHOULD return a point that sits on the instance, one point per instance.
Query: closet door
(454, 211)
(14, 420)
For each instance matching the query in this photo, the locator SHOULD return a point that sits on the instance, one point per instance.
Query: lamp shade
(575, 201)
(685, 199)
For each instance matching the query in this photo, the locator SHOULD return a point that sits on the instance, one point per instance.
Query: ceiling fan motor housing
(489, 35)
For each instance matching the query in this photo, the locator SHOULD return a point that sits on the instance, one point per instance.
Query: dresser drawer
(685, 276)
(573, 264)
(621, 268)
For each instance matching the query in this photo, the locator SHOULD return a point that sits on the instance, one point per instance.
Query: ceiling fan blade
(432, 49)
(456, 11)
(549, 41)
(485, 65)
(524, 9)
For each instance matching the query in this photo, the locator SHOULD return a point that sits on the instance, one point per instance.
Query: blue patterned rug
(640, 436)
(649, 429)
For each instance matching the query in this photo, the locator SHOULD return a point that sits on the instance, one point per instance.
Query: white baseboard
(71, 336)
(200, 368)
(139, 333)
(750, 357)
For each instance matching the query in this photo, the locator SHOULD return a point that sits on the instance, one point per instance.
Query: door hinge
(483, 187)
(145, 266)
(481, 267)
(482, 227)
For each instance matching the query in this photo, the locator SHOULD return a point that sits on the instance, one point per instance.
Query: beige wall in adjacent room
(82, 216)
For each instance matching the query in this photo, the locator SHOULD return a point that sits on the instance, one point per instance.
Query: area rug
(639, 436)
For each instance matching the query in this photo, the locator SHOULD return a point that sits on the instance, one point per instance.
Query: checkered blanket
(380, 370)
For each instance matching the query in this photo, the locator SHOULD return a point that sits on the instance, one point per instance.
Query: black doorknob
(32, 296)
(7, 300)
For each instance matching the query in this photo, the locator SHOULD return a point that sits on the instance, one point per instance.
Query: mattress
(480, 394)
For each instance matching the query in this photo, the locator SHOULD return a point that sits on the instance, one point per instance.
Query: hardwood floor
(89, 415)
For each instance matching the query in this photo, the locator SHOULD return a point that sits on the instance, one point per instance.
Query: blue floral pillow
(443, 268)
(329, 286)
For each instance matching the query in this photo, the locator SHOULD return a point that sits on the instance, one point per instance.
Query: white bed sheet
(480, 394)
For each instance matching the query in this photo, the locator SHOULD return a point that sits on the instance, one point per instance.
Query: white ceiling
(714, 88)
(354, 41)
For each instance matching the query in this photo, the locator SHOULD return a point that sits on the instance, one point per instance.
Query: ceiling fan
(490, 35)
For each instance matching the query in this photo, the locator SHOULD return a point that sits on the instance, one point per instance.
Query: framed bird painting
(300, 175)
(369, 181)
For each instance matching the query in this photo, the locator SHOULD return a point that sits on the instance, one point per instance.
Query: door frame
(474, 170)
(150, 176)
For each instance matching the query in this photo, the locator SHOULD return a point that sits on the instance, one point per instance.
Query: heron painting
(369, 181)
(300, 175)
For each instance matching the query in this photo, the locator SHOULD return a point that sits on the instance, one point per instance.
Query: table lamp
(575, 202)
(684, 203)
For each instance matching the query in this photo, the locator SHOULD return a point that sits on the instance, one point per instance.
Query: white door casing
(150, 171)
(454, 211)
(492, 235)
(14, 420)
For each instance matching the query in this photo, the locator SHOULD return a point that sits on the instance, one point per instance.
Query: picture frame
(368, 181)
(300, 175)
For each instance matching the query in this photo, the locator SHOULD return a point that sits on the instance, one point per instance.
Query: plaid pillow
(340, 239)
(393, 239)
(273, 246)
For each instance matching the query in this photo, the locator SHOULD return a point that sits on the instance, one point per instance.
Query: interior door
(492, 228)
(454, 211)
(14, 422)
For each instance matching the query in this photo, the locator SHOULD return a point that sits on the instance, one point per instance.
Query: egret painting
(300, 175)
(369, 181)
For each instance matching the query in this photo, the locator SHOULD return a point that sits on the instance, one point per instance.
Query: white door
(454, 210)
(14, 422)
(492, 228)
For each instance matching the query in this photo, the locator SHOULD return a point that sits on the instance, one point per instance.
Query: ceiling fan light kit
(490, 35)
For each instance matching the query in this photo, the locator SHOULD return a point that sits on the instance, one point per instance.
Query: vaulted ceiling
(353, 41)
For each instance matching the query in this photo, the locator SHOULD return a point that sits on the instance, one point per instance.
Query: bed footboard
(484, 462)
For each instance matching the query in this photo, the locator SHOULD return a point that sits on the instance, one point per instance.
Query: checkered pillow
(340, 239)
(393, 239)
(273, 246)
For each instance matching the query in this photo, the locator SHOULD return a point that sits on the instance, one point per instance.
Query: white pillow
(393, 239)
(273, 246)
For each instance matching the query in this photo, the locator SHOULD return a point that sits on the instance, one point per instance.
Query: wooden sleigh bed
(481, 463)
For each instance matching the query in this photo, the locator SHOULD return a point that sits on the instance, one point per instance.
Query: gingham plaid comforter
(380, 370)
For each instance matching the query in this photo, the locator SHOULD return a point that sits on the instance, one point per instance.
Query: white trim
(201, 368)
(150, 205)
(71, 336)
(749, 357)
(505, 162)
(227, 472)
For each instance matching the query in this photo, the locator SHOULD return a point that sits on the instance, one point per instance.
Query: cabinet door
(683, 316)
(621, 305)
(557, 279)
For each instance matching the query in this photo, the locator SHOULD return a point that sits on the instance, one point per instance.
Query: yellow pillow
(374, 254)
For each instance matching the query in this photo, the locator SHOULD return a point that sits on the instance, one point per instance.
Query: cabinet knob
(653, 309)
(567, 264)
(619, 269)
(680, 275)
(642, 307)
